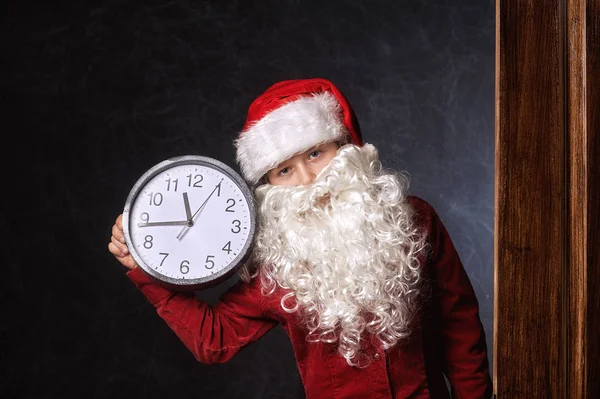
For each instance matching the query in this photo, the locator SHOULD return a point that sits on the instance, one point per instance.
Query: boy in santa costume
(362, 276)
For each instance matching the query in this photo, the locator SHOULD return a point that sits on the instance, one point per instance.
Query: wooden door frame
(547, 200)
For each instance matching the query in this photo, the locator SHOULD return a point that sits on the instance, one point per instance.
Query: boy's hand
(117, 245)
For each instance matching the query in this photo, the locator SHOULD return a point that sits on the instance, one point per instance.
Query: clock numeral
(184, 267)
(156, 199)
(237, 224)
(145, 217)
(218, 186)
(197, 179)
(228, 209)
(227, 247)
(165, 257)
(169, 184)
(148, 241)
(209, 260)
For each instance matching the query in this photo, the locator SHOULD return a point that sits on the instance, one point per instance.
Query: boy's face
(301, 169)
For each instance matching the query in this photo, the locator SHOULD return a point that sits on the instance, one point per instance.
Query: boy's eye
(284, 171)
(314, 154)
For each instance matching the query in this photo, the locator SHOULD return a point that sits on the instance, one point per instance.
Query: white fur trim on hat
(291, 129)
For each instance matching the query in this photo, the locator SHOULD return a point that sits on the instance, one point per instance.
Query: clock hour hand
(188, 211)
(168, 223)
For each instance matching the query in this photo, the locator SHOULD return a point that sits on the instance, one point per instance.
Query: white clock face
(189, 222)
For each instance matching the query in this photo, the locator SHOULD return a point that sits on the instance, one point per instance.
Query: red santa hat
(291, 117)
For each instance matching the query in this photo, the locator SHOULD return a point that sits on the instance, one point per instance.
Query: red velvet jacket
(449, 341)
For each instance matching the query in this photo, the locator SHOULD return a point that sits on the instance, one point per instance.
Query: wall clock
(189, 222)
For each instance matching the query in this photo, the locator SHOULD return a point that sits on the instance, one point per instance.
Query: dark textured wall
(94, 93)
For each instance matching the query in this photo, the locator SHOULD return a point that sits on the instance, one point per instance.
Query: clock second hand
(191, 221)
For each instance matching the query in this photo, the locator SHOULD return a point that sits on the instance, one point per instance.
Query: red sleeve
(212, 334)
(464, 348)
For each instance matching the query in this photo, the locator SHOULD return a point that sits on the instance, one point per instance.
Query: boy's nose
(305, 175)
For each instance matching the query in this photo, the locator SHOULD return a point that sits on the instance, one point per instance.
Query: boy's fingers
(118, 234)
(119, 222)
(113, 249)
(125, 260)
(120, 246)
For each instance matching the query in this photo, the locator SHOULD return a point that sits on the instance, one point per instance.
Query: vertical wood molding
(583, 43)
(547, 225)
(592, 148)
(531, 194)
(577, 337)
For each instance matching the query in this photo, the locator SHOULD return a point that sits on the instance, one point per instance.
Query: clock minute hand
(168, 223)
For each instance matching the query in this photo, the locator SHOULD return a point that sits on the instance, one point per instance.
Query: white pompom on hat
(291, 117)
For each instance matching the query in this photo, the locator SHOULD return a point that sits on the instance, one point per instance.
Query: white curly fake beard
(345, 248)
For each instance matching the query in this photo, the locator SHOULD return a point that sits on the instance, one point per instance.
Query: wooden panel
(547, 248)
(529, 356)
